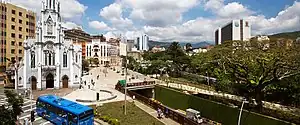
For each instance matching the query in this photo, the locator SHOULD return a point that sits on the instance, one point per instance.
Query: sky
(174, 20)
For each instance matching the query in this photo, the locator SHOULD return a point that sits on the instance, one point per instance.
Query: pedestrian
(166, 112)
(133, 98)
(159, 113)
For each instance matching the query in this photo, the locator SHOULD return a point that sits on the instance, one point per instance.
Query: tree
(250, 67)
(10, 111)
(188, 47)
(95, 61)
(179, 59)
(85, 64)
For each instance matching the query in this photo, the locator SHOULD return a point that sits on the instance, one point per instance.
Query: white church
(50, 61)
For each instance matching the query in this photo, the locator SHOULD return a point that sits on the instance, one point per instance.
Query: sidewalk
(152, 112)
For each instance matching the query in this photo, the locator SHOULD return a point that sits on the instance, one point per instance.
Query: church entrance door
(65, 81)
(50, 81)
(33, 82)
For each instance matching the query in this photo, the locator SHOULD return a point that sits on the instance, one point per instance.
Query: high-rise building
(17, 24)
(142, 43)
(234, 30)
(130, 45)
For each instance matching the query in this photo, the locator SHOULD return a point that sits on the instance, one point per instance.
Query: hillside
(167, 44)
(288, 35)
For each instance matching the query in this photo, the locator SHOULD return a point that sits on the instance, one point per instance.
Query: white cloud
(202, 29)
(159, 12)
(70, 25)
(113, 13)
(98, 25)
(70, 9)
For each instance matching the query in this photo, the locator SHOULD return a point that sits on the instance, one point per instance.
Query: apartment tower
(234, 30)
(17, 24)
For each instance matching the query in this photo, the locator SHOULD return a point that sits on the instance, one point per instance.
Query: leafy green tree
(10, 111)
(188, 47)
(95, 61)
(251, 66)
(179, 59)
(85, 64)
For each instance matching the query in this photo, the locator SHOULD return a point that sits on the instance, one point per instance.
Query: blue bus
(60, 111)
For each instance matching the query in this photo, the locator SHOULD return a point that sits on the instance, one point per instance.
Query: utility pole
(31, 95)
(125, 83)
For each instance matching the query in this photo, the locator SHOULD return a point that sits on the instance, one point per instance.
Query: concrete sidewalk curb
(100, 122)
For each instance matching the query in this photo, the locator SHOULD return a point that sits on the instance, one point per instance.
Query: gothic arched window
(65, 59)
(76, 57)
(32, 60)
(50, 59)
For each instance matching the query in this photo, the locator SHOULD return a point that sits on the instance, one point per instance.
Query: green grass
(135, 115)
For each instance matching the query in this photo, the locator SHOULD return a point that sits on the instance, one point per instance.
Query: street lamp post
(241, 111)
(125, 83)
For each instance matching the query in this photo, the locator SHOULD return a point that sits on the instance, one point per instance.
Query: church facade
(50, 61)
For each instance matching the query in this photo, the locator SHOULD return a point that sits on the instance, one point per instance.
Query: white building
(97, 49)
(49, 60)
(123, 49)
(142, 43)
(234, 30)
(262, 38)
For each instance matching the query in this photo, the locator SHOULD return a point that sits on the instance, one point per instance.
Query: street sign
(122, 82)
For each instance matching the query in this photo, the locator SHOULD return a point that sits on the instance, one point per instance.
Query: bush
(105, 118)
(111, 121)
(114, 121)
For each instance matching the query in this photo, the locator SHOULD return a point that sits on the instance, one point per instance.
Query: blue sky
(175, 20)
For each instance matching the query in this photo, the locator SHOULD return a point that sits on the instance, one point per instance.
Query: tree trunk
(259, 98)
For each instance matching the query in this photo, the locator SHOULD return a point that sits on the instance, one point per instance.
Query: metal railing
(168, 112)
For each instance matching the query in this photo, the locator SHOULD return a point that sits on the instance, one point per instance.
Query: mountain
(288, 35)
(167, 44)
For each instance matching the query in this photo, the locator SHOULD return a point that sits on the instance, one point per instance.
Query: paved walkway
(152, 112)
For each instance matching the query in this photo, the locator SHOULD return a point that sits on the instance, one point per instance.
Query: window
(20, 43)
(26, 37)
(86, 114)
(13, 35)
(12, 27)
(13, 11)
(20, 14)
(26, 15)
(76, 58)
(32, 60)
(12, 51)
(72, 117)
(12, 59)
(20, 36)
(50, 58)
(20, 58)
(20, 28)
(46, 57)
(65, 59)
(20, 21)
(20, 51)
(27, 22)
(13, 19)
(26, 30)
(12, 43)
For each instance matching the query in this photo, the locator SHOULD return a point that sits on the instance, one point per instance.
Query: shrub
(105, 118)
(114, 121)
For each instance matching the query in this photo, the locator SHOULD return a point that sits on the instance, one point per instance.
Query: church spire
(51, 4)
